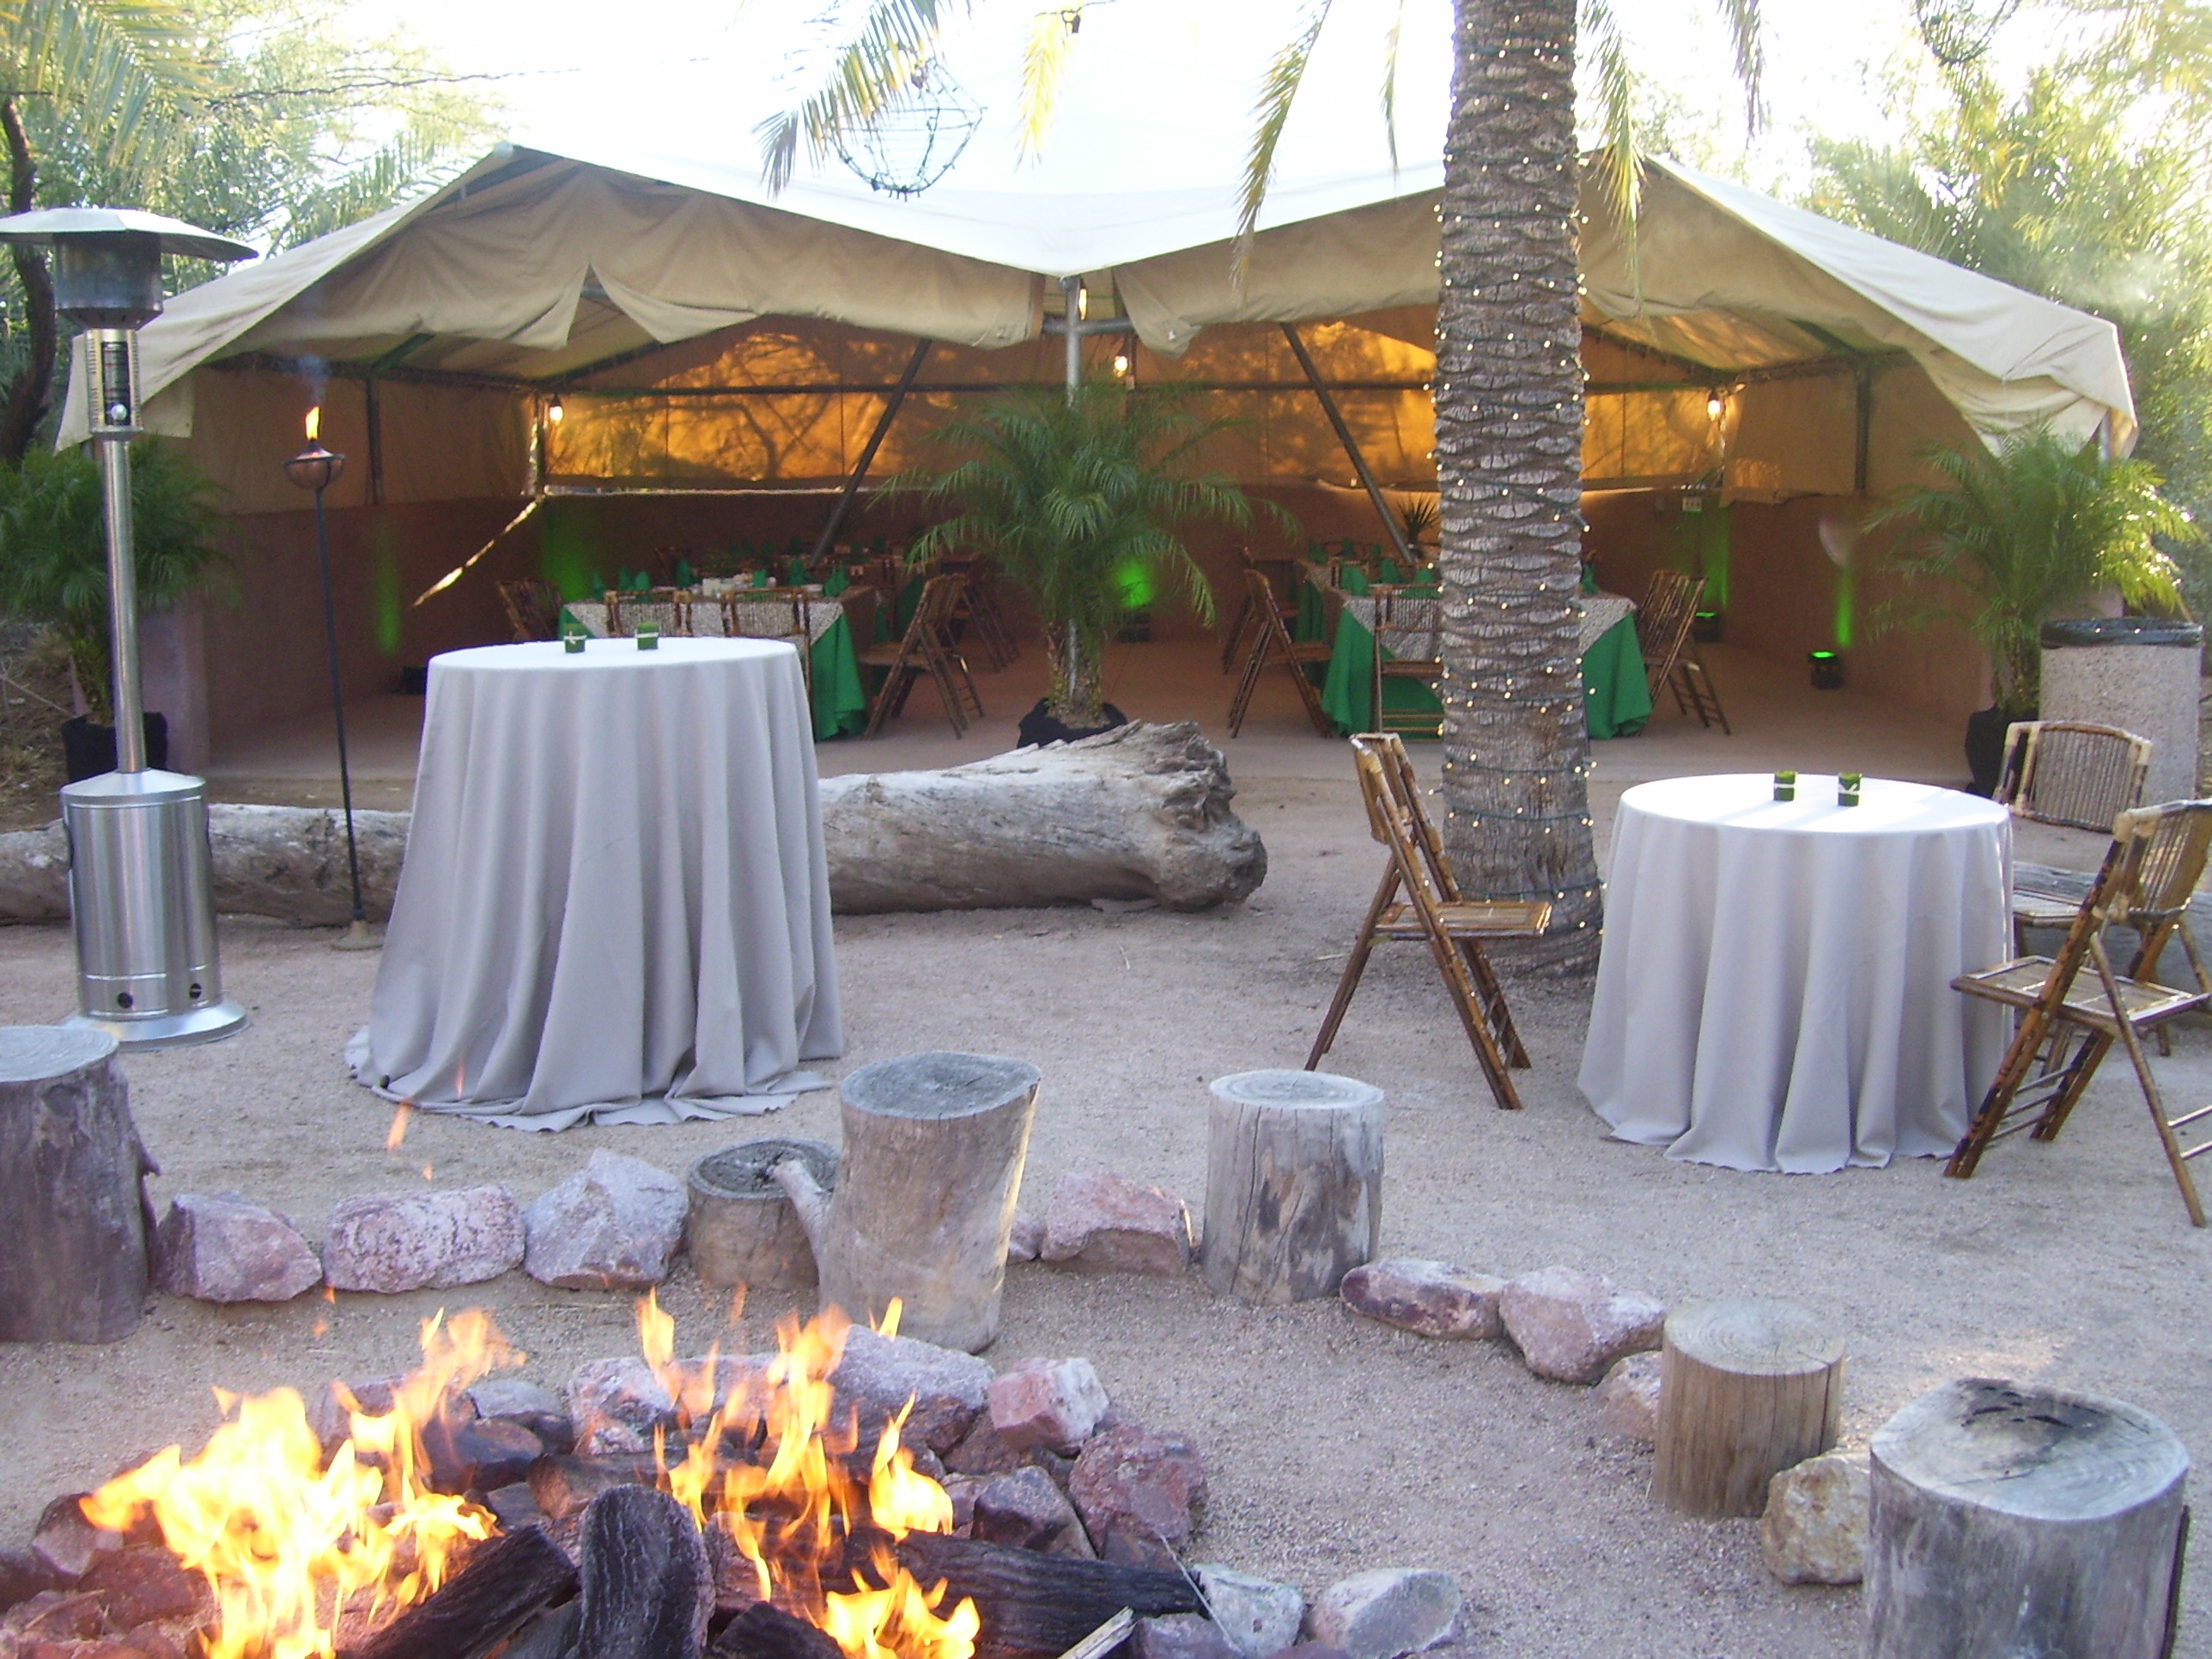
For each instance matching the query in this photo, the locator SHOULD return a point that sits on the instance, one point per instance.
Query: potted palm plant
(2034, 528)
(1079, 500)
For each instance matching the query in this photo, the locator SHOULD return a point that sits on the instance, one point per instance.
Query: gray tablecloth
(1425, 617)
(756, 618)
(614, 903)
(1774, 991)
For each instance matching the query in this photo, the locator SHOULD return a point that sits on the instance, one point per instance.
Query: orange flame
(314, 423)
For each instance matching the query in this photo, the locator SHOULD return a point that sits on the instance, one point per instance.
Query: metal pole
(1397, 530)
(338, 708)
(1073, 288)
(829, 536)
(123, 604)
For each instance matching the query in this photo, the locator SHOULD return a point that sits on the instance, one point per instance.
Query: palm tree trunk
(1077, 663)
(25, 402)
(1509, 453)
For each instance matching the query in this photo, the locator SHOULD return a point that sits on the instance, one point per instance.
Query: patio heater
(141, 888)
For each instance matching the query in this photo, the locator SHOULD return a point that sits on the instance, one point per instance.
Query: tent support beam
(828, 538)
(373, 397)
(1352, 448)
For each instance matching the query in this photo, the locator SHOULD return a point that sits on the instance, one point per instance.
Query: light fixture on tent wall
(913, 141)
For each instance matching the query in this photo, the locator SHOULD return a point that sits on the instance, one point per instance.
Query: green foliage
(53, 548)
(1070, 499)
(2031, 530)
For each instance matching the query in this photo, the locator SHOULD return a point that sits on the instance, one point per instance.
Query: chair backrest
(2073, 772)
(2150, 874)
(1268, 614)
(533, 605)
(1392, 794)
(1663, 620)
(928, 632)
(1407, 623)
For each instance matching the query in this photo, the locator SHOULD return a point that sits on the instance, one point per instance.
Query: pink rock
(1026, 1239)
(948, 1388)
(1025, 1510)
(1628, 1399)
(222, 1248)
(616, 1404)
(1105, 1223)
(1182, 1636)
(67, 1544)
(612, 1225)
(1048, 1402)
(1430, 1299)
(1571, 1325)
(1140, 1494)
(394, 1242)
(1387, 1613)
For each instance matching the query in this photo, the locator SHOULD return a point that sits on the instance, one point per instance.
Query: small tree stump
(1293, 1184)
(934, 1147)
(72, 1187)
(2010, 1520)
(741, 1228)
(1746, 1390)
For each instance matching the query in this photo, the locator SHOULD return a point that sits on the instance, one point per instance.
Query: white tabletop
(615, 902)
(1774, 987)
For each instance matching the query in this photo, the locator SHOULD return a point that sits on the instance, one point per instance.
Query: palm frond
(109, 60)
(1044, 70)
(895, 39)
(1618, 162)
(1392, 38)
(1278, 90)
(1741, 18)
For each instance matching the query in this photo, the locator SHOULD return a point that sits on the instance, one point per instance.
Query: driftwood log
(764, 1631)
(1033, 1604)
(72, 1190)
(1747, 1389)
(1293, 1183)
(498, 1589)
(934, 1148)
(1139, 812)
(741, 1228)
(647, 1588)
(2008, 1520)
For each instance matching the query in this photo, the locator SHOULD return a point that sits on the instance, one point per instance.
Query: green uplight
(1132, 579)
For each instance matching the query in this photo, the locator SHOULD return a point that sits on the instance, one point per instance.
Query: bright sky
(695, 75)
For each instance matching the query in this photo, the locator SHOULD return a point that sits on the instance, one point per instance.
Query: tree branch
(27, 395)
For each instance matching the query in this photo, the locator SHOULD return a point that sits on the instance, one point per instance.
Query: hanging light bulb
(553, 412)
(1120, 362)
(1715, 403)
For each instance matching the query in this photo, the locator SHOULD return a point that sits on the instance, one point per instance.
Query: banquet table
(841, 702)
(1616, 700)
(1773, 992)
(615, 903)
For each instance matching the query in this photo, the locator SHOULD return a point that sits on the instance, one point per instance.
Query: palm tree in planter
(1079, 499)
(2034, 528)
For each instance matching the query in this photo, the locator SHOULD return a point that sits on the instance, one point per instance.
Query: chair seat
(1410, 667)
(880, 656)
(1309, 650)
(2019, 982)
(1472, 919)
(2034, 910)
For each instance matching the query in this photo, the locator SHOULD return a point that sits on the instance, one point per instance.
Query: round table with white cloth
(1774, 991)
(615, 903)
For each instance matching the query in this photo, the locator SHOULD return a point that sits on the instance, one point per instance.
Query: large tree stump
(1293, 1183)
(72, 1190)
(1747, 1389)
(2007, 1520)
(934, 1146)
(1141, 812)
(741, 1228)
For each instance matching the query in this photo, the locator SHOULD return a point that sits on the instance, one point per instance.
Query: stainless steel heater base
(141, 899)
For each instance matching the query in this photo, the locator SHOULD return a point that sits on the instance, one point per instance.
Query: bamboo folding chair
(926, 648)
(1272, 644)
(1435, 912)
(2149, 876)
(1416, 626)
(533, 608)
(978, 610)
(788, 617)
(1247, 609)
(2069, 772)
(1671, 661)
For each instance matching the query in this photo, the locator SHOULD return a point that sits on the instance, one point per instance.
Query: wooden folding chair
(1272, 643)
(1671, 661)
(978, 610)
(2069, 772)
(1435, 912)
(1246, 605)
(1408, 635)
(533, 608)
(2149, 876)
(774, 613)
(926, 648)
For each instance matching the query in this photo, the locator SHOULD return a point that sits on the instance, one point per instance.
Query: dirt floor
(1333, 1445)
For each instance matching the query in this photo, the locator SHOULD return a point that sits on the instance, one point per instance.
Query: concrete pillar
(2142, 674)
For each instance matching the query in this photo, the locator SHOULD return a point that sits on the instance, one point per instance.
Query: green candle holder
(1847, 788)
(1786, 785)
(648, 636)
(572, 641)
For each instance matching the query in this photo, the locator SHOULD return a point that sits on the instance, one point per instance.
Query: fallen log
(1034, 1604)
(1141, 812)
(647, 1588)
(498, 1589)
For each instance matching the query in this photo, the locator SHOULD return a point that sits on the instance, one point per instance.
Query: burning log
(1034, 1604)
(648, 1591)
(764, 1631)
(494, 1593)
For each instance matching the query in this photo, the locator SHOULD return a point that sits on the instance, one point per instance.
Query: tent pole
(1352, 448)
(1863, 410)
(1072, 325)
(828, 536)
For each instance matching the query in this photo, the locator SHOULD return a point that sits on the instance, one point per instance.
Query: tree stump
(741, 1228)
(931, 1164)
(1747, 1389)
(1293, 1184)
(72, 1187)
(2011, 1520)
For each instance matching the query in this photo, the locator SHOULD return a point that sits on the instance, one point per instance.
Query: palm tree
(1508, 389)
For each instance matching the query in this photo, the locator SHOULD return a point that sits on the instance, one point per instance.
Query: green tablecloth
(1618, 701)
(840, 704)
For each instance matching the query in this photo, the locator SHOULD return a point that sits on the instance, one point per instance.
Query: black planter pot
(1985, 739)
(1037, 726)
(88, 750)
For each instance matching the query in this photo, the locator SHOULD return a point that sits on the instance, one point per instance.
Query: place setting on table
(615, 903)
(1774, 990)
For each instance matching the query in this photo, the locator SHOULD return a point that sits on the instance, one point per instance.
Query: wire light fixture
(913, 141)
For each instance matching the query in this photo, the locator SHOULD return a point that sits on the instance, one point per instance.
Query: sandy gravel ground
(1333, 1445)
